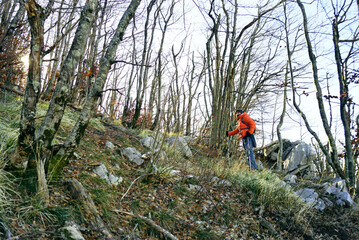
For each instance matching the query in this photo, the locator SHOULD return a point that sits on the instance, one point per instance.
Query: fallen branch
(79, 192)
(132, 184)
(151, 223)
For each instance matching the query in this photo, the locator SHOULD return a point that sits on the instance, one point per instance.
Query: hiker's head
(239, 112)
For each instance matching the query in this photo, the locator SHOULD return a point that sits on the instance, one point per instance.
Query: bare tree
(143, 72)
(33, 141)
(332, 157)
(223, 70)
(340, 16)
(96, 92)
(156, 86)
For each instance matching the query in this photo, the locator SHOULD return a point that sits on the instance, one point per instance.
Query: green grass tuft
(34, 210)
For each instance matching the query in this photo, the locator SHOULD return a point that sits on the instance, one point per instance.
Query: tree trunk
(344, 96)
(60, 97)
(36, 17)
(90, 106)
(157, 84)
(333, 148)
(143, 75)
(281, 120)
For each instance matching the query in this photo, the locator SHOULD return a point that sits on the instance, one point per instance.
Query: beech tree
(37, 142)
(342, 64)
(30, 139)
(13, 44)
(229, 58)
(340, 16)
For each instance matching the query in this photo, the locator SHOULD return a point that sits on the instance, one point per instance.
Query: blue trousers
(248, 146)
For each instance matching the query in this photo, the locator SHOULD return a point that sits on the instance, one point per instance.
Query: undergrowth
(202, 197)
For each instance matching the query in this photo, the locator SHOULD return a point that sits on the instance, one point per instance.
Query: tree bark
(344, 96)
(60, 98)
(36, 17)
(319, 95)
(143, 75)
(90, 106)
(281, 120)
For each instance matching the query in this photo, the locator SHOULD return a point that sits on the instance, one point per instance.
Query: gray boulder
(344, 199)
(291, 178)
(300, 155)
(180, 144)
(329, 190)
(328, 202)
(71, 232)
(103, 173)
(149, 142)
(320, 204)
(162, 156)
(133, 155)
(339, 183)
(225, 183)
(189, 139)
(114, 180)
(110, 145)
(308, 195)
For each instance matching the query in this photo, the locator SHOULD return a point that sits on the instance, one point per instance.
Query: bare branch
(133, 64)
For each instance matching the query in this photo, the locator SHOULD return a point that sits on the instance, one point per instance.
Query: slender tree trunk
(60, 97)
(213, 78)
(36, 16)
(143, 75)
(192, 92)
(90, 106)
(281, 120)
(126, 114)
(332, 145)
(344, 96)
(175, 93)
(159, 70)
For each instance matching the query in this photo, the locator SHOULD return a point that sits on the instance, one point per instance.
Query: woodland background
(182, 67)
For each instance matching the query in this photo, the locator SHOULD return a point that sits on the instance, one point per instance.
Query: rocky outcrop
(180, 144)
(103, 173)
(149, 142)
(133, 155)
(297, 157)
(329, 194)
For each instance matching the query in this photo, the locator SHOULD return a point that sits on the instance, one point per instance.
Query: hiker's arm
(234, 132)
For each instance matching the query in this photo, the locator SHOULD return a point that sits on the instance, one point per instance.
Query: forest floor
(210, 212)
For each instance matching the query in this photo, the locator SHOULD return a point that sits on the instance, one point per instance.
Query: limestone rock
(133, 155)
(180, 145)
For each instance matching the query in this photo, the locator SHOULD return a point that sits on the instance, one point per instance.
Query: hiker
(245, 130)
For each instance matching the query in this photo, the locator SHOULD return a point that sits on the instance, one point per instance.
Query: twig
(133, 64)
(151, 223)
(133, 182)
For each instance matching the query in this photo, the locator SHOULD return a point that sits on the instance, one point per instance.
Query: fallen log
(78, 192)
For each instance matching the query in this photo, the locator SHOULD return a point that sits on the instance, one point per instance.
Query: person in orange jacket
(245, 129)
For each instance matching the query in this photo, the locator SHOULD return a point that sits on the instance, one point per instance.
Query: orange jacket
(245, 124)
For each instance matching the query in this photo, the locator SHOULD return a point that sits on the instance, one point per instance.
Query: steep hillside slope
(204, 197)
